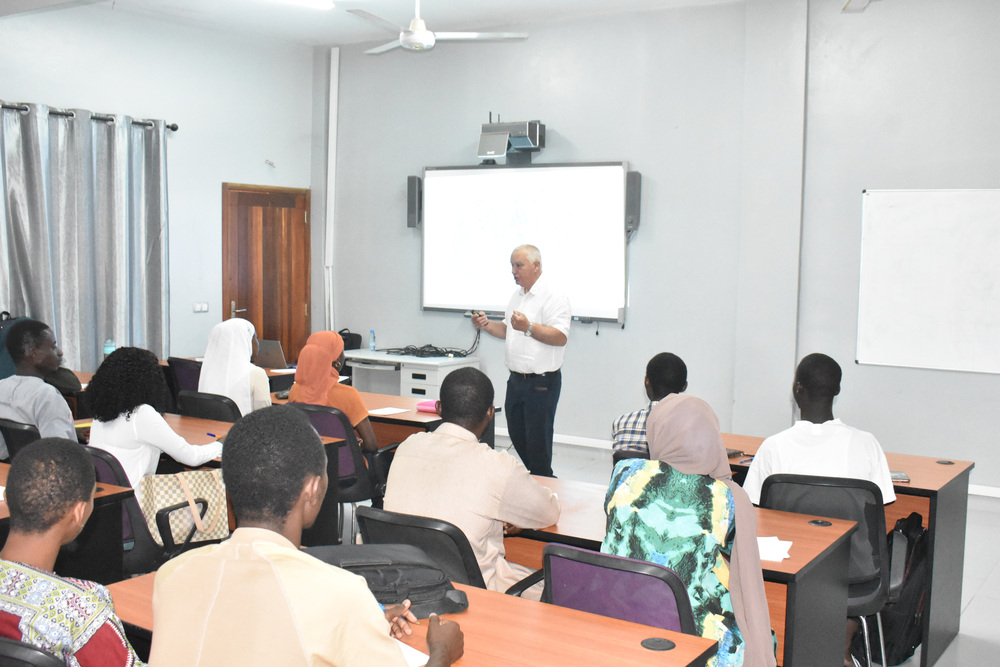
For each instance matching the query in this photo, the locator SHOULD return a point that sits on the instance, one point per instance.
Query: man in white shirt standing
(26, 397)
(818, 444)
(535, 330)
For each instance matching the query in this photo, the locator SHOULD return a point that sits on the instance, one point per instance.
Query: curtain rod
(94, 116)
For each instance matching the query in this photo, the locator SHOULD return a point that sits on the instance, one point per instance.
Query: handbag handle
(195, 514)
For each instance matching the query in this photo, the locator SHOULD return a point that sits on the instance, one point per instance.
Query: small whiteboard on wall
(930, 279)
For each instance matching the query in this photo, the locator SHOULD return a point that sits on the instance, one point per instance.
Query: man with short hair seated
(256, 599)
(26, 397)
(50, 494)
(818, 444)
(666, 374)
(451, 476)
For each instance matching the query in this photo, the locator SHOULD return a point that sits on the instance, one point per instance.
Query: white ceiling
(276, 18)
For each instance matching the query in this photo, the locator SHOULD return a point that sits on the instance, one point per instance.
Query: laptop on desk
(270, 355)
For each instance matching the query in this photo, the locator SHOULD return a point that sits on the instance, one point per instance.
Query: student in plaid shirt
(665, 374)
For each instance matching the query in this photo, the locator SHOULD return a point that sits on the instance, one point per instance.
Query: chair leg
(881, 637)
(868, 641)
(340, 521)
(354, 523)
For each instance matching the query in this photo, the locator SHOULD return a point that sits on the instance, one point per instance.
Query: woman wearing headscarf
(227, 370)
(317, 381)
(681, 509)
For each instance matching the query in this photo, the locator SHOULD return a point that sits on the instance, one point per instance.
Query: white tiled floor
(978, 642)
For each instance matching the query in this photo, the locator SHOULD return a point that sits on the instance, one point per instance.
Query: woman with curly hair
(124, 396)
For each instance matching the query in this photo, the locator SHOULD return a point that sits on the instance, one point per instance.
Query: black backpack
(902, 620)
(397, 572)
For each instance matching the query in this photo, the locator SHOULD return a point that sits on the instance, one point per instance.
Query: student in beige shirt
(451, 476)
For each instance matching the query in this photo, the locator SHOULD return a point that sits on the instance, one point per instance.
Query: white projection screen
(930, 279)
(473, 217)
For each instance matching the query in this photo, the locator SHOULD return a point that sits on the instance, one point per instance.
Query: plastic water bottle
(371, 340)
(109, 347)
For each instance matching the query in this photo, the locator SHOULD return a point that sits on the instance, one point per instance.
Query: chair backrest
(842, 498)
(624, 588)
(381, 462)
(185, 373)
(207, 406)
(145, 555)
(444, 542)
(17, 436)
(354, 480)
(14, 653)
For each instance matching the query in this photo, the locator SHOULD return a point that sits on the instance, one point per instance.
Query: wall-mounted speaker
(633, 192)
(414, 201)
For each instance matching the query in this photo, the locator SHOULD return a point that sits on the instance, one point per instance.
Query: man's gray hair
(531, 252)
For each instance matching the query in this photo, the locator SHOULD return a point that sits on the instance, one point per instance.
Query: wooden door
(265, 261)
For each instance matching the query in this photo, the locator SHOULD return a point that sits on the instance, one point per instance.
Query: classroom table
(939, 490)
(96, 554)
(499, 629)
(806, 593)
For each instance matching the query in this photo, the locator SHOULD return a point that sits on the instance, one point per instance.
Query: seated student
(317, 381)
(25, 397)
(124, 396)
(256, 599)
(681, 509)
(226, 369)
(50, 493)
(665, 374)
(451, 476)
(818, 444)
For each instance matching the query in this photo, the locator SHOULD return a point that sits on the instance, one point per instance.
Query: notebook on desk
(270, 355)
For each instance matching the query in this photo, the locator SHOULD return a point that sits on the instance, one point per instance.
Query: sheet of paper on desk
(413, 657)
(771, 548)
(282, 371)
(385, 412)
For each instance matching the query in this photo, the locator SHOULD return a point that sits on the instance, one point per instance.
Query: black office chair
(872, 580)
(17, 436)
(444, 542)
(381, 462)
(14, 653)
(624, 588)
(142, 553)
(207, 406)
(355, 482)
(185, 373)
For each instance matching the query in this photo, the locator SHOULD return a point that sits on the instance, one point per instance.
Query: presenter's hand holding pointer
(479, 319)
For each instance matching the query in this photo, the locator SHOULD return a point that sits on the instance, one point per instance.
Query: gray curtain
(84, 229)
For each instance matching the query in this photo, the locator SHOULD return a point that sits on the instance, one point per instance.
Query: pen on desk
(211, 435)
(746, 460)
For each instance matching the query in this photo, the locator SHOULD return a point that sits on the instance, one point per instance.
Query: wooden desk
(807, 593)
(96, 554)
(501, 629)
(939, 490)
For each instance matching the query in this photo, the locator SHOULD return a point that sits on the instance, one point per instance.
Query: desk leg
(946, 553)
(816, 612)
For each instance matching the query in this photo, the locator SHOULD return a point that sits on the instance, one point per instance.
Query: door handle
(233, 310)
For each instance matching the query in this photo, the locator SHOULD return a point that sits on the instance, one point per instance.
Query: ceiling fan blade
(385, 47)
(479, 36)
(377, 20)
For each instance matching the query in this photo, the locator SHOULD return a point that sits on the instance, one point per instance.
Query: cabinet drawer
(421, 390)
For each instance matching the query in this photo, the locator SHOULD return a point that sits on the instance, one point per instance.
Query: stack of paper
(771, 548)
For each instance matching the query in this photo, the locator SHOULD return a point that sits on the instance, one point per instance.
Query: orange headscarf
(312, 375)
(332, 342)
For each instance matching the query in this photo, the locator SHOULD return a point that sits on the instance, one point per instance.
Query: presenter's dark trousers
(531, 411)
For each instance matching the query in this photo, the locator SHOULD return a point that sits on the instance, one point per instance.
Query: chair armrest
(517, 589)
(897, 568)
(163, 524)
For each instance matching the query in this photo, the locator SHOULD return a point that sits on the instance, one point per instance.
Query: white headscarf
(226, 368)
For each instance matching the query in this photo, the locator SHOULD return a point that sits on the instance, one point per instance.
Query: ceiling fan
(418, 38)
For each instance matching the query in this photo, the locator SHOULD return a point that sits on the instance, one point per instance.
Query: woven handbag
(159, 491)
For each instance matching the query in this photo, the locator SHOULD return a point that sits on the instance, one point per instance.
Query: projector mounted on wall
(515, 141)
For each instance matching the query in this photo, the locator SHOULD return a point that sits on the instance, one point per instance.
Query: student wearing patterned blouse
(665, 374)
(50, 493)
(682, 510)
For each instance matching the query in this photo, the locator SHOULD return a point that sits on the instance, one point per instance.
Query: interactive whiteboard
(474, 217)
